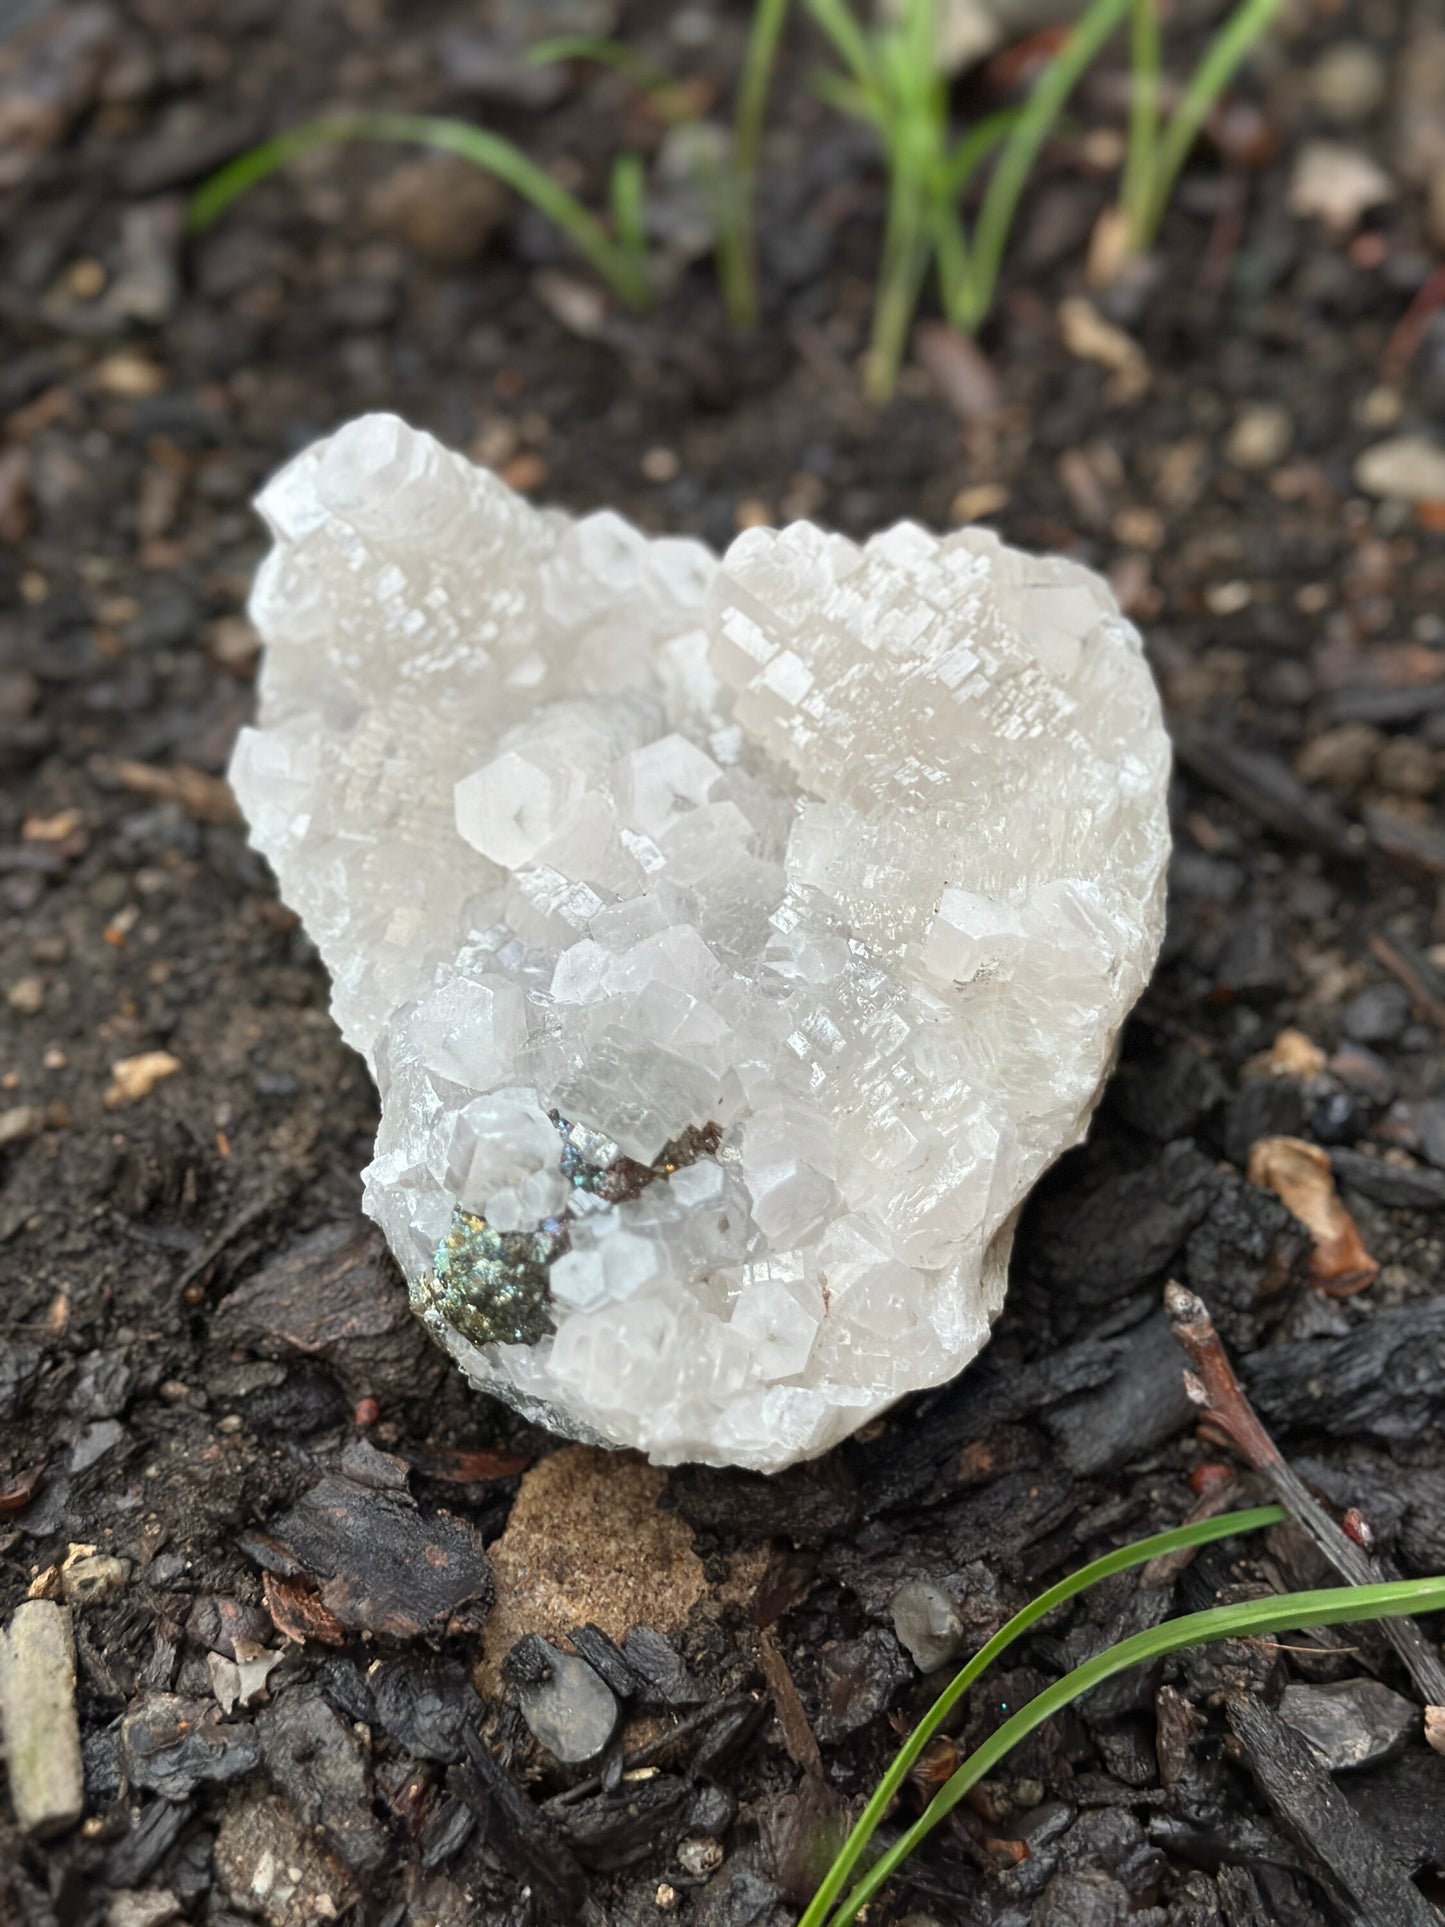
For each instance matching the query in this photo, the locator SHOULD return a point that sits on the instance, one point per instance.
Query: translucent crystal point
(733, 944)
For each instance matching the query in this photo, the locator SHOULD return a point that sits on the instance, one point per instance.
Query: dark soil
(301, 1430)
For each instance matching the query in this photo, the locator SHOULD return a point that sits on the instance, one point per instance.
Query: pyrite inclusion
(733, 944)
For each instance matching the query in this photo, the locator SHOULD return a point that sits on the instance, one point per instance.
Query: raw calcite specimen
(733, 944)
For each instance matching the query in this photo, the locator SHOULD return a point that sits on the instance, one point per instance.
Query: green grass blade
(1209, 80)
(850, 42)
(1251, 1618)
(737, 241)
(759, 62)
(851, 98)
(920, 35)
(627, 195)
(1140, 161)
(1139, 1552)
(642, 72)
(1021, 149)
(950, 251)
(973, 149)
(619, 267)
(906, 252)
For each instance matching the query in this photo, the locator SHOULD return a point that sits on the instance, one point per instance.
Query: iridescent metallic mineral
(733, 944)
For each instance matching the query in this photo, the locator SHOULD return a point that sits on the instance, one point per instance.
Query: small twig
(1411, 328)
(797, 1733)
(1213, 1387)
(250, 1215)
(1427, 1001)
(654, 1750)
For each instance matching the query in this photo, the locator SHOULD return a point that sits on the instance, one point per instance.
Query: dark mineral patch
(491, 1286)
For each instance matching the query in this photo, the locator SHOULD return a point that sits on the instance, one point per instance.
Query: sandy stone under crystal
(733, 944)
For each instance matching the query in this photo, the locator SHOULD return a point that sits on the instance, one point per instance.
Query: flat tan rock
(588, 1544)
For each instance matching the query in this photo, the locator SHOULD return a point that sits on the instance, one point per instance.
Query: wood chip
(1351, 1861)
(797, 1733)
(37, 1713)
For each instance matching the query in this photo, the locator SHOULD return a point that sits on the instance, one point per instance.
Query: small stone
(445, 209)
(19, 1122)
(1083, 1897)
(129, 375)
(133, 1078)
(271, 1866)
(38, 1718)
(1260, 437)
(1351, 1722)
(1377, 1014)
(234, 644)
(1338, 185)
(1343, 757)
(87, 1576)
(660, 464)
(1407, 468)
(149, 1907)
(570, 1712)
(27, 996)
(1406, 766)
(699, 1855)
(1348, 82)
(928, 1625)
(579, 305)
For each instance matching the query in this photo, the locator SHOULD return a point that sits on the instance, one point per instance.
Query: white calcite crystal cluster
(733, 943)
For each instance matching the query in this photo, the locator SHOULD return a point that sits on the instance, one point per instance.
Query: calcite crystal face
(733, 944)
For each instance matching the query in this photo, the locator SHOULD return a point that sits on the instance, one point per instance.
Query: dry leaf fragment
(1300, 1175)
(297, 1611)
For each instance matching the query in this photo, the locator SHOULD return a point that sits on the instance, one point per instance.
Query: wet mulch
(318, 1630)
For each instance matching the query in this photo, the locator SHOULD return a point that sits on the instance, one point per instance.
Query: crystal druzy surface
(733, 944)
